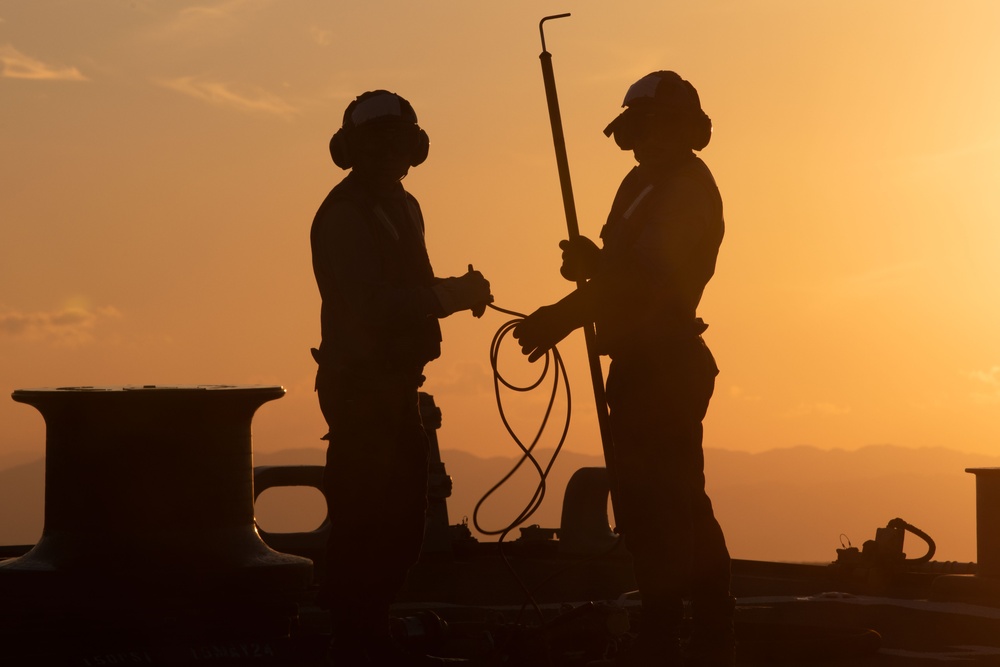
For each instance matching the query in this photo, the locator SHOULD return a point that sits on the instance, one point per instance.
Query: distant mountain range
(798, 504)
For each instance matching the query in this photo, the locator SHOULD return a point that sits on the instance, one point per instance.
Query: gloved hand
(581, 259)
(468, 292)
(543, 329)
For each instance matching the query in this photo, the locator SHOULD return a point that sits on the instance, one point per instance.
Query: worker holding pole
(642, 289)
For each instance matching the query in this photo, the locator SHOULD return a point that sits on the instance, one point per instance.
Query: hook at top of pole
(541, 31)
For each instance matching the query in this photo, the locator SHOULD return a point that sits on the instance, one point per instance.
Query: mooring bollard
(987, 521)
(984, 586)
(149, 511)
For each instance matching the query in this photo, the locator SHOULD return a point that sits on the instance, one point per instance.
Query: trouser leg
(662, 510)
(376, 489)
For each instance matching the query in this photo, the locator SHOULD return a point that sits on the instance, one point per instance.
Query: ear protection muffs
(422, 149)
(339, 150)
(375, 106)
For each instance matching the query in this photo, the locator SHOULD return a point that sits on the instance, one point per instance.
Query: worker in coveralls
(642, 290)
(379, 320)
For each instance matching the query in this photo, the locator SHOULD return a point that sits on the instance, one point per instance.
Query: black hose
(931, 547)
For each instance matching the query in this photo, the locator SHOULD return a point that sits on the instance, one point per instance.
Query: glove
(543, 329)
(468, 292)
(581, 259)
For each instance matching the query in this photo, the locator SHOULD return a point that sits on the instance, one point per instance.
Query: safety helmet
(661, 97)
(379, 120)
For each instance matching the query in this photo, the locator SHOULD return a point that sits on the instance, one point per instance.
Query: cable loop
(553, 360)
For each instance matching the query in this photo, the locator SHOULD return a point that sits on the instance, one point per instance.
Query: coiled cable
(554, 365)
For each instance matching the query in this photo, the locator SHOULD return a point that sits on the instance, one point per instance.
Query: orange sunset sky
(161, 161)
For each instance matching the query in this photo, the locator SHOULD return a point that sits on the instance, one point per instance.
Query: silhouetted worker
(379, 319)
(643, 287)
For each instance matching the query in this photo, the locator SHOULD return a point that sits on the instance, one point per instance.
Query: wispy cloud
(67, 326)
(881, 280)
(17, 65)
(222, 94)
(223, 9)
(321, 36)
(212, 15)
(930, 165)
(989, 381)
(741, 394)
(819, 408)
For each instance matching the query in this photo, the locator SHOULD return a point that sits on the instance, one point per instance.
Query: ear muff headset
(665, 98)
(373, 115)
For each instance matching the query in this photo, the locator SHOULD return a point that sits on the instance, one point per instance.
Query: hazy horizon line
(30, 455)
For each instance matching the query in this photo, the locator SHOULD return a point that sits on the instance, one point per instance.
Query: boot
(649, 652)
(713, 634)
(352, 653)
(361, 637)
(658, 642)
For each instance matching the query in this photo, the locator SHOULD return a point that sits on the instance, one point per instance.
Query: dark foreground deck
(787, 614)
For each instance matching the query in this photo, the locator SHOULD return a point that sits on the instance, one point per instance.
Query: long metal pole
(562, 161)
